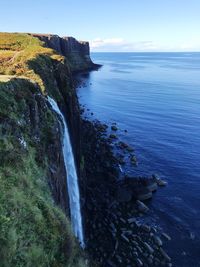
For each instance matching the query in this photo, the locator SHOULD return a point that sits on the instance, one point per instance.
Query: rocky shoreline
(113, 204)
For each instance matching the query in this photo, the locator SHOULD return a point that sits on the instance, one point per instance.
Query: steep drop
(72, 179)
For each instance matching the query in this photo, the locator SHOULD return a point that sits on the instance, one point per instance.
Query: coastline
(112, 208)
(115, 236)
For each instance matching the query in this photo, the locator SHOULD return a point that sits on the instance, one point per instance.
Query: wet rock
(166, 236)
(113, 136)
(116, 244)
(164, 254)
(183, 253)
(131, 220)
(135, 243)
(129, 149)
(159, 181)
(149, 248)
(141, 206)
(119, 259)
(158, 241)
(192, 236)
(142, 193)
(122, 145)
(133, 159)
(150, 184)
(169, 264)
(139, 262)
(114, 128)
(146, 228)
(125, 238)
(135, 254)
(121, 161)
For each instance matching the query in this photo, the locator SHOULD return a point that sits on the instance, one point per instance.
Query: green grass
(17, 41)
(19, 54)
(33, 230)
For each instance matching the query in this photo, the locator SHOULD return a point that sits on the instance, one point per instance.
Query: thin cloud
(98, 42)
(121, 45)
(191, 46)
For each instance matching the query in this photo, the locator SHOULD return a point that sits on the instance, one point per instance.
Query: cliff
(76, 52)
(34, 213)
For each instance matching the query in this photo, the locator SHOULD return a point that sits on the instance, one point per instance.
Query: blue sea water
(156, 98)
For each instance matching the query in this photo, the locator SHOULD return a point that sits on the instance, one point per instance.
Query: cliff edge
(76, 52)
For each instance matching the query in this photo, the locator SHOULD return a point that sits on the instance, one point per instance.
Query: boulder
(114, 128)
(141, 206)
(113, 136)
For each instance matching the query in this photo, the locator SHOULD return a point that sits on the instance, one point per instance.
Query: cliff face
(33, 229)
(76, 52)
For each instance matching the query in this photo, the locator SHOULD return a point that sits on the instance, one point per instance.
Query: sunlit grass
(20, 53)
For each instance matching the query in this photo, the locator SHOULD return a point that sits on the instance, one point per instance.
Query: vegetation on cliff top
(33, 230)
(24, 55)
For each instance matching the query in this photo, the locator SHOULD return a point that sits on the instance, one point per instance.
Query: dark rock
(164, 254)
(149, 248)
(77, 52)
(113, 136)
(114, 128)
(133, 159)
(145, 228)
(125, 238)
(129, 149)
(158, 180)
(139, 262)
(150, 184)
(166, 236)
(142, 193)
(141, 206)
(158, 241)
(122, 145)
(124, 194)
(131, 220)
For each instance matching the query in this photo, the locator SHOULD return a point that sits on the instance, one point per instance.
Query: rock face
(76, 52)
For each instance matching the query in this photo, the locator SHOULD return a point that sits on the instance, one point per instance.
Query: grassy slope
(33, 231)
(23, 55)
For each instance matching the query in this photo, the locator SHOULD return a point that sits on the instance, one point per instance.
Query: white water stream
(72, 179)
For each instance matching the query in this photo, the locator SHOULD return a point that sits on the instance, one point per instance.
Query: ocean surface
(156, 98)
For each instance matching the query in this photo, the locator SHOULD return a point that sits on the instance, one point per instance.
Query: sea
(154, 99)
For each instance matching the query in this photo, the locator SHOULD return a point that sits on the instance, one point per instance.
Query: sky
(110, 25)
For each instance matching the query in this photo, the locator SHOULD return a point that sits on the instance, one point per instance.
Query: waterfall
(72, 179)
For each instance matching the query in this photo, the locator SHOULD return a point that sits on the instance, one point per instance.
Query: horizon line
(144, 51)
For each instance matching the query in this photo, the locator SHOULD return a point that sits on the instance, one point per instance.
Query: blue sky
(110, 25)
